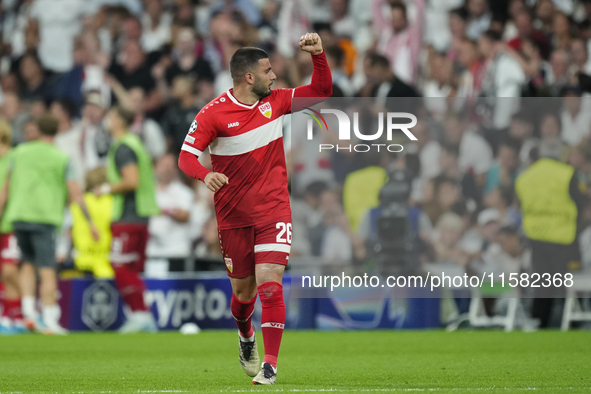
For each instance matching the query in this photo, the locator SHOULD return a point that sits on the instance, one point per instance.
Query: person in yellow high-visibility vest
(552, 198)
(91, 255)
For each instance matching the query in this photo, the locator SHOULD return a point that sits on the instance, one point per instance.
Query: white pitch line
(493, 388)
(416, 389)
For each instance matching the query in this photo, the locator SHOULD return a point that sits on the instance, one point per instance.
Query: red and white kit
(246, 145)
(9, 251)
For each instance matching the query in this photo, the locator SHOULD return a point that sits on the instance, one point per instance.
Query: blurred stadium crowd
(468, 62)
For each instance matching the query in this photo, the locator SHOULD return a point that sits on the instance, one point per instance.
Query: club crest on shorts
(193, 127)
(229, 264)
(266, 110)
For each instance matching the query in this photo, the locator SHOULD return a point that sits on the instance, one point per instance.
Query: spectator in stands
(479, 18)
(449, 164)
(526, 31)
(561, 31)
(208, 245)
(470, 79)
(475, 153)
(551, 143)
(383, 83)
(521, 130)
(133, 71)
(439, 87)
(575, 117)
(457, 23)
(560, 72)
(169, 232)
(87, 73)
(156, 24)
(505, 170)
(335, 59)
(398, 39)
(580, 158)
(336, 247)
(94, 136)
(146, 128)
(445, 193)
(59, 23)
(13, 111)
(504, 78)
(180, 113)
(187, 58)
(580, 53)
(449, 231)
(502, 199)
(34, 85)
(68, 139)
(544, 15)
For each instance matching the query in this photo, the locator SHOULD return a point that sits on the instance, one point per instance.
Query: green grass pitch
(310, 361)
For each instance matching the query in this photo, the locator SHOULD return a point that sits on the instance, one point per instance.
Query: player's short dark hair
(493, 35)
(47, 124)
(376, 59)
(244, 60)
(126, 115)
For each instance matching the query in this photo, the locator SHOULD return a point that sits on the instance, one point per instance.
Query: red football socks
(242, 313)
(130, 287)
(272, 319)
(12, 309)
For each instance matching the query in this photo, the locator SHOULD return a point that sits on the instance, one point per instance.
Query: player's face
(263, 79)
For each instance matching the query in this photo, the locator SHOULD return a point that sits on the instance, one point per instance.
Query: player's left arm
(321, 84)
(320, 87)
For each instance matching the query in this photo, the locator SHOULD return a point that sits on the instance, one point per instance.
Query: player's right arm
(201, 133)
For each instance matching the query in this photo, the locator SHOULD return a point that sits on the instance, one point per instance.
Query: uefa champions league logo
(99, 306)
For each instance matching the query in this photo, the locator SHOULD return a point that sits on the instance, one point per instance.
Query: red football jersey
(246, 145)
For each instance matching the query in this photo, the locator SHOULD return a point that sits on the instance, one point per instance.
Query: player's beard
(260, 89)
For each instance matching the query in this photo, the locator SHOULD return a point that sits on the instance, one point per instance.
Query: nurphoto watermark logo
(386, 121)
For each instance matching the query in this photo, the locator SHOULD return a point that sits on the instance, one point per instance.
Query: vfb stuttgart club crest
(229, 264)
(266, 110)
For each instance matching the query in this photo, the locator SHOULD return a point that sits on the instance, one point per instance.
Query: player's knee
(271, 293)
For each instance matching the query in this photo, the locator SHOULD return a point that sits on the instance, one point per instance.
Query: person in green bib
(39, 183)
(130, 177)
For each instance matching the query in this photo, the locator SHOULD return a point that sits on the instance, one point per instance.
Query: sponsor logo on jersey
(235, 124)
(229, 263)
(266, 110)
(99, 306)
(193, 127)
